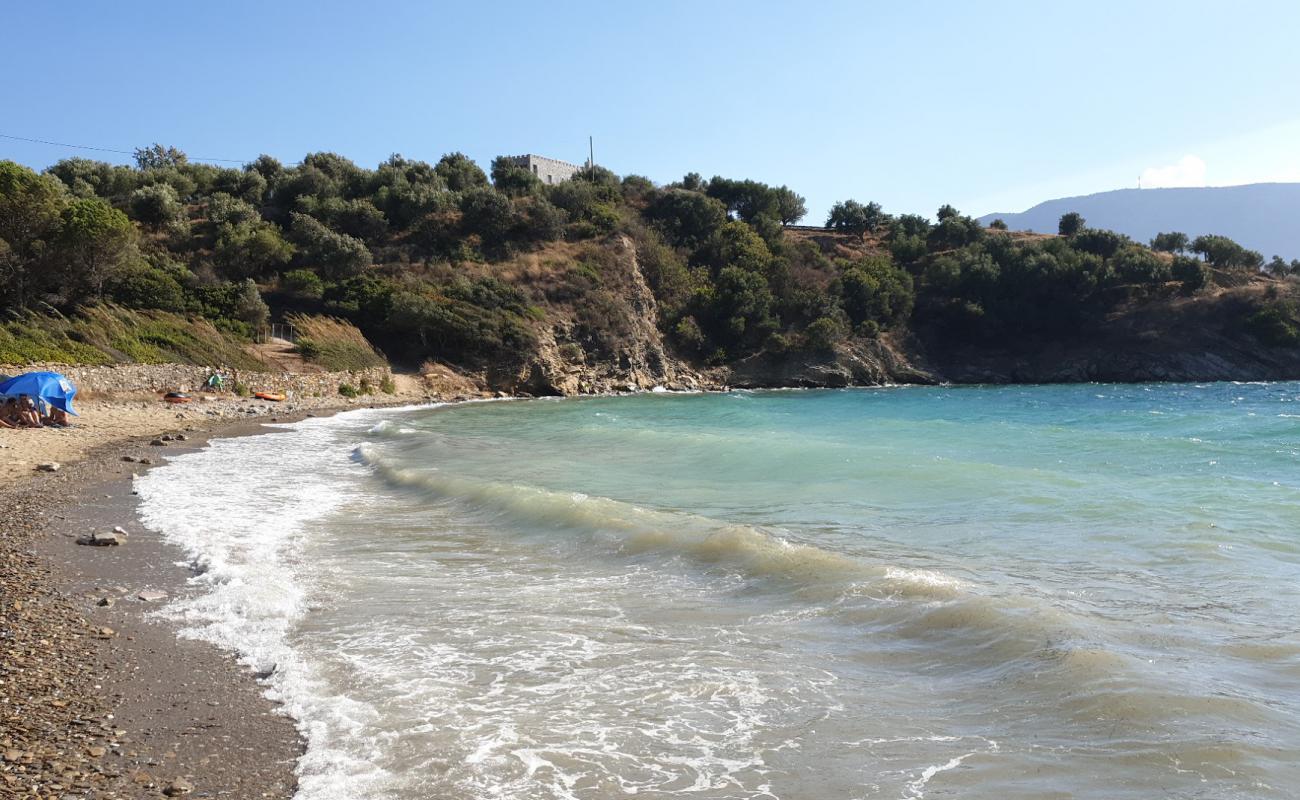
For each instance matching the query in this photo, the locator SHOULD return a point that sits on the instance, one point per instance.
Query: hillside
(1260, 216)
(598, 283)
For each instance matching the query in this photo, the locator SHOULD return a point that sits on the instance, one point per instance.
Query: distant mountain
(1261, 216)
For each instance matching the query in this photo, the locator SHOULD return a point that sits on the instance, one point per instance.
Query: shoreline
(103, 701)
(98, 698)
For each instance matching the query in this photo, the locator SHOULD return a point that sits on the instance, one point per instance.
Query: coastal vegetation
(172, 259)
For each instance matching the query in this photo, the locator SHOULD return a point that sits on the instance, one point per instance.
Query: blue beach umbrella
(46, 387)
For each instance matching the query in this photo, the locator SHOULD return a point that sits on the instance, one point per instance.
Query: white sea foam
(494, 605)
(241, 510)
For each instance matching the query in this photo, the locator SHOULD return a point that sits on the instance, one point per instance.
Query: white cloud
(1187, 171)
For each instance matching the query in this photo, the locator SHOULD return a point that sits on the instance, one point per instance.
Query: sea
(1084, 591)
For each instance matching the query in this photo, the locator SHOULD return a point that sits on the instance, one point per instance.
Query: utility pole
(591, 155)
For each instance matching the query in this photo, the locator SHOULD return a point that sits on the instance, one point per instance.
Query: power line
(111, 150)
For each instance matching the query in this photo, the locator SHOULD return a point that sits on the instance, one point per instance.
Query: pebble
(49, 466)
(103, 539)
(178, 787)
(151, 596)
(158, 443)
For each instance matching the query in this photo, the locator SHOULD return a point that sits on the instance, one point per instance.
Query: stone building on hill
(547, 169)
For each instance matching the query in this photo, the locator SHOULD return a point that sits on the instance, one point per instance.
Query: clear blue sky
(990, 106)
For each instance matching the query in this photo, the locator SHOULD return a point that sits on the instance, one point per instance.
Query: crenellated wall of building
(548, 170)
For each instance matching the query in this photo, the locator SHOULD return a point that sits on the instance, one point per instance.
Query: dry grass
(334, 344)
(108, 334)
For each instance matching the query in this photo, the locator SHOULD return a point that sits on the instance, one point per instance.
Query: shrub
(156, 204)
(1191, 272)
(336, 254)
(823, 333)
(147, 287)
(688, 334)
(348, 390)
(303, 282)
(1274, 325)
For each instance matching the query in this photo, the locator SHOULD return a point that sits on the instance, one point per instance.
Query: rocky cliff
(566, 363)
(1176, 338)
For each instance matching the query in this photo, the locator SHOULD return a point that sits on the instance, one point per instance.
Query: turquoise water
(1024, 592)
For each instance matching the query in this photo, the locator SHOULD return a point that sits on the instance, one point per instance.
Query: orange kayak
(275, 397)
(176, 397)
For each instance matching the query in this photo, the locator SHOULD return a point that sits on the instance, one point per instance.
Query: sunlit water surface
(1029, 592)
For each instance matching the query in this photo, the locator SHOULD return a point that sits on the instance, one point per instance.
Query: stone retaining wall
(127, 378)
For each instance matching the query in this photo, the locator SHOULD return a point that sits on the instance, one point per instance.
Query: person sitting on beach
(58, 418)
(28, 416)
(9, 413)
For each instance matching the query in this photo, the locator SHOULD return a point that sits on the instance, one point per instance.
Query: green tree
(538, 220)
(250, 250)
(156, 204)
(223, 209)
(736, 244)
(824, 332)
(512, 179)
(1223, 253)
(909, 225)
(791, 207)
(1190, 272)
(249, 305)
(853, 217)
(87, 178)
(158, 157)
(748, 200)
(1097, 241)
(336, 255)
(460, 172)
(1137, 264)
(95, 240)
(1172, 242)
(303, 282)
(31, 208)
(874, 290)
(145, 286)
(998, 225)
(1070, 223)
(954, 230)
(246, 184)
(686, 218)
(489, 214)
(637, 188)
(743, 308)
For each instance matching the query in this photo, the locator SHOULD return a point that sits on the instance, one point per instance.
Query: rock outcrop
(563, 365)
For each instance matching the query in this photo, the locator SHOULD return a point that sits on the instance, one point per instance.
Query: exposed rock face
(1182, 339)
(563, 365)
(1078, 365)
(872, 363)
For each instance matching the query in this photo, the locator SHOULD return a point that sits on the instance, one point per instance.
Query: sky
(990, 106)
